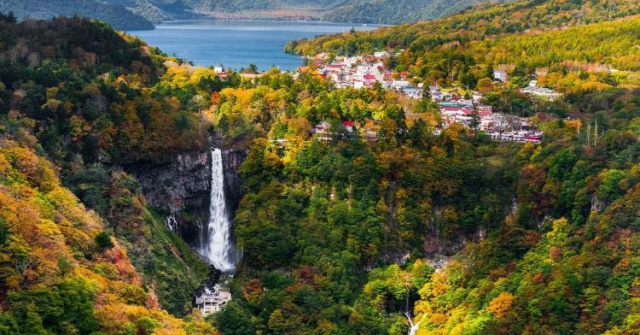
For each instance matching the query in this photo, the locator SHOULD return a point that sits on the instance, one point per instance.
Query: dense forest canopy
(351, 234)
(475, 24)
(92, 101)
(399, 11)
(318, 216)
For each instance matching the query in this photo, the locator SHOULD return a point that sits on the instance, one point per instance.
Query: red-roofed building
(370, 78)
(457, 110)
(457, 114)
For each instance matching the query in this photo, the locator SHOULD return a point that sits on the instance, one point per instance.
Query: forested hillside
(118, 16)
(94, 102)
(359, 11)
(467, 235)
(335, 234)
(399, 11)
(524, 36)
(476, 24)
(138, 14)
(61, 270)
(386, 220)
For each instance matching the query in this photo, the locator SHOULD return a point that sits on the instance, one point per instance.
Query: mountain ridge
(118, 16)
(142, 14)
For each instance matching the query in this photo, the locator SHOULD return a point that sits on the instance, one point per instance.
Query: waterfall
(413, 327)
(172, 223)
(219, 249)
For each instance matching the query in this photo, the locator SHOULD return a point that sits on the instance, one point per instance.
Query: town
(369, 70)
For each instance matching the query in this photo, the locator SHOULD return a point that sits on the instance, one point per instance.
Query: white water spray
(220, 249)
(413, 327)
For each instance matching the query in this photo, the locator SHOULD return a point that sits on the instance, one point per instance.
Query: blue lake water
(237, 44)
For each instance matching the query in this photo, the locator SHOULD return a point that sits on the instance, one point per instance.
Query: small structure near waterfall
(212, 301)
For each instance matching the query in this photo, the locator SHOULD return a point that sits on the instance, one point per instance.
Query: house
(370, 78)
(477, 96)
(348, 125)
(322, 131)
(500, 75)
(542, 92)
(437, 95)
(334, 67)
(465, 102)
(371, 135)
(381, 54)
(457, 114)
(412, 92)
(449, 104)
(535, 137)
(516, 136)
(212, 301)
(321, 128)
(400, 84)
(484, 108)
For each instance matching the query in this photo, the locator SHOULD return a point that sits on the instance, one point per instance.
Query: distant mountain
(399, 11)
(118, 16)
(366, 11)
(139, 14)
(161, 10)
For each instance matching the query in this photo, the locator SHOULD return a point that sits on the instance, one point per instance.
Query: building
(381, 54)
(500, 75)
(542, 92)
(457, 114)
(212, 301)
(412, 92)
(477, 97)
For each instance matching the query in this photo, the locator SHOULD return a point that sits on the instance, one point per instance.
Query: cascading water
(219, 249)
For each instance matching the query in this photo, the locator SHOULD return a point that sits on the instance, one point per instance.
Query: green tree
(233, 320)
(103, 240)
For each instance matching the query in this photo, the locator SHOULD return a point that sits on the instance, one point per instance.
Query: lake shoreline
(239, 43)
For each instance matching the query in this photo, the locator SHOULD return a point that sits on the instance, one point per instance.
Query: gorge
(424, 228)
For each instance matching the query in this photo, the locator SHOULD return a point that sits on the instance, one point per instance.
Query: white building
(212, 301)
(542, 92)
(381, 54)
(477, 96)
(500, 75)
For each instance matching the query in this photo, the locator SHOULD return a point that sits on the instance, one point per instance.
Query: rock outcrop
(179, 188)
(234, 189)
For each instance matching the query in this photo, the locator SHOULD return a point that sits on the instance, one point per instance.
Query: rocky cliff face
(177, 184)
(233, 188)
(179, 188)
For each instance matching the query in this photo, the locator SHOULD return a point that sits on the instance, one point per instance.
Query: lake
(237, 44)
